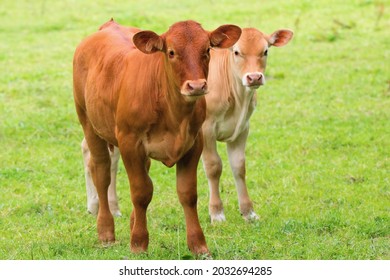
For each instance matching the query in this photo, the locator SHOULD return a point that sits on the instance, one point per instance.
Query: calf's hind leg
(236, 154)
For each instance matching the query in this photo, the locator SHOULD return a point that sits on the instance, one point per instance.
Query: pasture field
(318, 156)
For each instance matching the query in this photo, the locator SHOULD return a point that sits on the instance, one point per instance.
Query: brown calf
(234, 76)
(147, 98)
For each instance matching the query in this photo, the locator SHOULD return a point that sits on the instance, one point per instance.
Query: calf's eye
(266, 53)
(171, 54)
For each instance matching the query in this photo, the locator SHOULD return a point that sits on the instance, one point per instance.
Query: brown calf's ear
(148, 42)
(225, 36)
(280, 38)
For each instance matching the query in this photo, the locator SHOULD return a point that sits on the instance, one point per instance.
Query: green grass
(318, 153)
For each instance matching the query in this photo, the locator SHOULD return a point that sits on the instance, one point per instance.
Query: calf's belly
(228, 130)
(168, 149)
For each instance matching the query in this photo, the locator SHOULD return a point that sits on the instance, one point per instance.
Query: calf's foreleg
(213, 167)
(236, 154)
(141, 189)
(186, 180)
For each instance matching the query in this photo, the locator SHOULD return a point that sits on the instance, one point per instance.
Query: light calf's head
(251, 51)
(186, 47)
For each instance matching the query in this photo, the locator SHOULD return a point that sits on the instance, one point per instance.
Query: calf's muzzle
(194, 87)
(254, 79)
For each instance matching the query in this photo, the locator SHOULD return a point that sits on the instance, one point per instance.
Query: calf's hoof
(202, 253)
(138, 248)
(106, 238)
(107, 244)
(139, 241)
(216, 214)
(197, 243)
(250, 216)
(217, 218)
(106, 228)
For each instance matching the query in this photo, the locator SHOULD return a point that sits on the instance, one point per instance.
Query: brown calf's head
(186, 46)
(250, 54)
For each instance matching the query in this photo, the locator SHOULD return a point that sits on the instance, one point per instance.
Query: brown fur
(144, 93)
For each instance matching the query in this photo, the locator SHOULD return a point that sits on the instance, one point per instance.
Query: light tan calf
(233, 78)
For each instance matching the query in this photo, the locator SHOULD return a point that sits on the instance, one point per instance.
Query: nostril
(254, 77)
(190, 87)
(196, 86)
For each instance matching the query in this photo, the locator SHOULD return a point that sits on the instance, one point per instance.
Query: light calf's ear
(148, 42)
(280, 38)
(225, 36)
